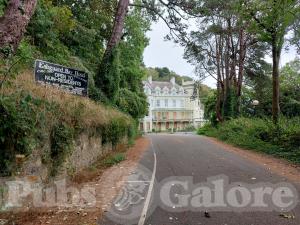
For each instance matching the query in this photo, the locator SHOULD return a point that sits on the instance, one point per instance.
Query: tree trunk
(227, 83)
(118, 26)
(218, 102)
(103, 77)
(275, 102)
(13, 24)
(242, 55)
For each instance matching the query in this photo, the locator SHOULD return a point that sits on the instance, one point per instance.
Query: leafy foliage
(262, 135)
(108, 76)
(132, 103)
(115, 159)
(18, 127)
(290, 88)
(61, 138)
(33, 118)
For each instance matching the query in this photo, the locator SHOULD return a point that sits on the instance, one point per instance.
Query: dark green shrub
(282, 140)
(18, 128)
(115, 131)
(204, 130)
(115, 159)
(61, 145)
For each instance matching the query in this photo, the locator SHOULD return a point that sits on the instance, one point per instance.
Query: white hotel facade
(171, 106)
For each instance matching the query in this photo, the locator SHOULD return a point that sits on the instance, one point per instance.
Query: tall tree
(218, 49)
(107, 80)
(271, 20)
(118, 26)
(13, 24)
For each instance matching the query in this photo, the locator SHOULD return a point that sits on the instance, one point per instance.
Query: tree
(131, 98)
(218, 48)
(105, 79)
(271, 20)
(290, 88)
(118, 26)
(13, 24)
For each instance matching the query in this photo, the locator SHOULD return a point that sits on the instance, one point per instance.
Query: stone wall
(85, 151)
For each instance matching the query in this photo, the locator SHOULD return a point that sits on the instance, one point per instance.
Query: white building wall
(167, 98)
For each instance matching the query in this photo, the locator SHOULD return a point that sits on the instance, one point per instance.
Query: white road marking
(148, 198)
(138, 181)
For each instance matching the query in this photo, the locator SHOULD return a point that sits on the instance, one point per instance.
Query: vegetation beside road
(72, 34)
(260, 134)
(253, 128)
(32, 115)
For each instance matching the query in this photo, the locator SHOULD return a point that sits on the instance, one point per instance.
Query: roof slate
(161, 84)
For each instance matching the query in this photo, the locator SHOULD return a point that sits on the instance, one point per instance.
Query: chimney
(182, 81)
(150, 79)
(172, 80)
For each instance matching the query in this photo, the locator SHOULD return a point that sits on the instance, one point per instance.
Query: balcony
(171, 120)
(165, 119)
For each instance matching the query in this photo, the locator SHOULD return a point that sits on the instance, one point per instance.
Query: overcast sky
(162, 53)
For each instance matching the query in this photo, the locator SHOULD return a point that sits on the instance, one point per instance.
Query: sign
(71, 80)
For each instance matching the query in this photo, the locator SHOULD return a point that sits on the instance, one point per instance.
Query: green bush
(61, 139)
(18, 128)
(115, 131)
(261, 135)
(27, 123)
(189, 128)
(204, 130)
(115, 159)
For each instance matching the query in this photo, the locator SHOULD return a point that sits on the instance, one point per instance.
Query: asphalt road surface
(187, 155)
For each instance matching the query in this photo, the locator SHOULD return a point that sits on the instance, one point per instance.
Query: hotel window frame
(181, 103)
(174, 103)
(157, 103)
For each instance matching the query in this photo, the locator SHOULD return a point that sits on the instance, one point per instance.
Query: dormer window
(166, 91)
(147, 90)
(173, 91)
(157, 91)
(181, 91)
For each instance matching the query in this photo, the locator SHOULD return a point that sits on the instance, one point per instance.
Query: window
(157, 91)
(166, 103)
(181, 103)
(157, 103)
(166, 90)
(181, 91)
(174, 103)
(173, 91)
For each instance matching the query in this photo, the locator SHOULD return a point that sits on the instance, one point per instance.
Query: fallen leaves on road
(287, 216)
(207, 214)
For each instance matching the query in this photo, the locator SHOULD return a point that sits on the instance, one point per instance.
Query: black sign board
(71, 80)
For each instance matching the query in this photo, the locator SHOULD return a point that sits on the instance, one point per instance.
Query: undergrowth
(115, 159)
(32, 115)
(282, 140)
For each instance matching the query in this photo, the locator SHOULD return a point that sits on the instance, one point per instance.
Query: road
(180, 155)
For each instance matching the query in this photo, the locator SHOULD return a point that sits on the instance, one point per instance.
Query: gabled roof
(160, 84)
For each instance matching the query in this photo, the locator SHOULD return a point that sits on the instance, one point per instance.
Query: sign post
(68, 79)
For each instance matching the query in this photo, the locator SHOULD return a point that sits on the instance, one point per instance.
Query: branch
(160, 16)
(261, 24)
